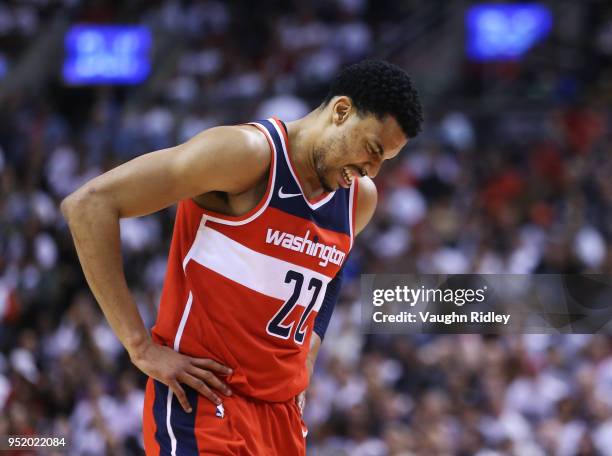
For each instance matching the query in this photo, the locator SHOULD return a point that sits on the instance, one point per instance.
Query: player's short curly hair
(380, 88)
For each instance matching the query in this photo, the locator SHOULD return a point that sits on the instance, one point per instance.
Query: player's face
(355, 146)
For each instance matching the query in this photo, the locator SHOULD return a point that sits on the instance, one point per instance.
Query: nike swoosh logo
(283, 195)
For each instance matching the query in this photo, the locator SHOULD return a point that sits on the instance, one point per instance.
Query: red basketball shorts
(241, 426)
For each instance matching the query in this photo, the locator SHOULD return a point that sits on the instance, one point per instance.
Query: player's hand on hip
(173, 368)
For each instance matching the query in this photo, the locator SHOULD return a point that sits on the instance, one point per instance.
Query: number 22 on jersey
(278, 325)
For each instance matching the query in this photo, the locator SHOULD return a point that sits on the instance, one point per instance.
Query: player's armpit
(367, 197)
(230, 159)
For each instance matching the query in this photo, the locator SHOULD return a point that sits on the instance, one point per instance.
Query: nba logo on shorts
(220, 411)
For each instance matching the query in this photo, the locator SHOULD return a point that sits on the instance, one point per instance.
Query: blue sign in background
(505, 32)
(98, 54)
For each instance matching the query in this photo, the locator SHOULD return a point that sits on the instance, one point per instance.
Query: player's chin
(330, 188)
(325, 184)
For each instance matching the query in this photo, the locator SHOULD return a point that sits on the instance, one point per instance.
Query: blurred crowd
(20, 22)
(485, 189)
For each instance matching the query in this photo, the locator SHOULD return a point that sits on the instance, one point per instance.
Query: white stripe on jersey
(254, 270)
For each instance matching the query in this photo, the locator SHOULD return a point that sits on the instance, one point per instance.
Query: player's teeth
(347, 176)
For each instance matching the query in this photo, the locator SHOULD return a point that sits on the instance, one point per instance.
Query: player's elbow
(68, 206)
(78, 203)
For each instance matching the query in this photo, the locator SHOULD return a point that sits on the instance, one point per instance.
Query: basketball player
(267, 214)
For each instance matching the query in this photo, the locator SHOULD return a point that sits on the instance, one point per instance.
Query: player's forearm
(94, 224)
(311, 358)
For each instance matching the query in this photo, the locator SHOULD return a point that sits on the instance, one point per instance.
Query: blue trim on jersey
(333, 215)
(182, 423)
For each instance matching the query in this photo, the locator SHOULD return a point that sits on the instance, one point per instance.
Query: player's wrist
(137, 346)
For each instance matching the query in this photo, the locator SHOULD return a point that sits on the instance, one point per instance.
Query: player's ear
(341, 109)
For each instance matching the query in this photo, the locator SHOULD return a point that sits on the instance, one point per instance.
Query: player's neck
(302, 135)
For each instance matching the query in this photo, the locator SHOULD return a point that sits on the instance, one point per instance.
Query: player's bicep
(223, 159)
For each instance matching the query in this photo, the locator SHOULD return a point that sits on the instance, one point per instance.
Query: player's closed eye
(374, 151)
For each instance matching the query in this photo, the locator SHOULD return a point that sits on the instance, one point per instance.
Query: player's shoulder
(367, 194)
(240, 155)
(244, 144)
(367, 197)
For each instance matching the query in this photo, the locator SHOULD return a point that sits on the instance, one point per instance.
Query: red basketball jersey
(245, 290)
